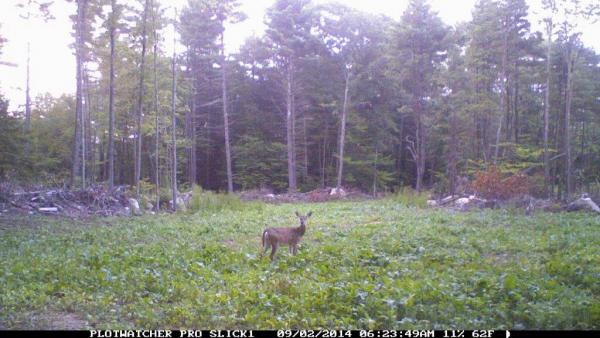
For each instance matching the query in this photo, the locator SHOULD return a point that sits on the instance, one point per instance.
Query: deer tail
(264, 236)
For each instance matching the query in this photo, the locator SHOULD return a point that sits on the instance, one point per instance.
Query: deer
(273, 237)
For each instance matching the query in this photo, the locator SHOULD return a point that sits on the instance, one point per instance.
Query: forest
(328, 96)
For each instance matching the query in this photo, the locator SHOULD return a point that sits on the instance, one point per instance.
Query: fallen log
(48, 209)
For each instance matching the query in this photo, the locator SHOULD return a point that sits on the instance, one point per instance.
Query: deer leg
(273, 249)
(295, 249)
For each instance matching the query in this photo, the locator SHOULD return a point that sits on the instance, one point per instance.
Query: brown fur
(273, 237)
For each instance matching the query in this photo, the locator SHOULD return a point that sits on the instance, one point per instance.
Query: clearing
(372, 264)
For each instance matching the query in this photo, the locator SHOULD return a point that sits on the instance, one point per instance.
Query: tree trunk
(420, 151)
(305, 147)
(79, 97)
(375, 172)
(83, 128)
(343, 132)
(28, 103)
(157, 123)
(140, 105)
(174, 125)
(27, 85)
(226, 117)
(452, 152)
(111, 100)
(324, 153)
(87, 139)
(547, 109)
(516, 103)
(417, 147)
(503, 102)
(400, 159)
(194, 147)
(569, 97)
(290, 132)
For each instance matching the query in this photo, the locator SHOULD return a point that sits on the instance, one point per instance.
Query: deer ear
(297, 214)
(309, 214)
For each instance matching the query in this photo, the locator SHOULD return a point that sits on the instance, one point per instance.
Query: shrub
(208, 201)
(492, 184)
(408, 196)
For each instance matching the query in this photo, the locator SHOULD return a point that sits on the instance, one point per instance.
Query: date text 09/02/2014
(298, 333)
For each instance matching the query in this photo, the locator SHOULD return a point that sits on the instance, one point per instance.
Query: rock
(463, 201)
(338, 191)
(583, 203)
(135, 207)
(432, 203)
(124, 212)
(180, 204)
(466, 203)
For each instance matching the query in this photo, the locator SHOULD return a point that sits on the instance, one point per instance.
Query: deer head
(303, 218)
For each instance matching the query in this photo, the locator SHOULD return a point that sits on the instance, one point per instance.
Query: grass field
(375, 264)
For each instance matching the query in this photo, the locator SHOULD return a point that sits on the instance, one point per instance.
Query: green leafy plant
(369, 264)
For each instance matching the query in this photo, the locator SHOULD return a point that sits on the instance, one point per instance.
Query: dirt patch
(50, 321)
(65, 321)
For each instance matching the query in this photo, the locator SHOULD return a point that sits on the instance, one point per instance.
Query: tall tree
(157, 117)
(79, 41)
(111, 94)
(420, 39)
(349, 36)
(227, 10)
(289, 33)
(140, 103)
(43, 12)
(201, 28)
(550, 6)
(572, 12)
(173, 120)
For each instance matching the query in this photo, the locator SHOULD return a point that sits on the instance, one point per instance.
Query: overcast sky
(53, 62)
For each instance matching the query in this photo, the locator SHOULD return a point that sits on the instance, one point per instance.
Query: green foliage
(10, 142)
(407, 196)
(211, 202)
(259, 163)
(520, 157)
(371, 264)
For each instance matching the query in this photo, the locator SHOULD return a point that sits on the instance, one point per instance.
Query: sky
(53, 61)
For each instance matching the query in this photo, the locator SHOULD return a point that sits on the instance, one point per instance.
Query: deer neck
(301, 230)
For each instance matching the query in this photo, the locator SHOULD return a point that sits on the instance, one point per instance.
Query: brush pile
(94, 200)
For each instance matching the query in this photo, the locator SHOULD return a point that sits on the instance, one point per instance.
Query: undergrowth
(375, 264)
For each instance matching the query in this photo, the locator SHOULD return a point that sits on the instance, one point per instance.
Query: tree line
(328, 96)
